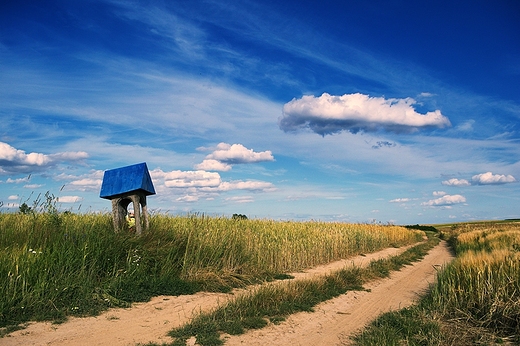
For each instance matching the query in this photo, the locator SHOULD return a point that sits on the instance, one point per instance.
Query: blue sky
(388, 111)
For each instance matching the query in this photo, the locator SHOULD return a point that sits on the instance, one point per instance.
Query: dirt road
(330, 324)
(335, 320)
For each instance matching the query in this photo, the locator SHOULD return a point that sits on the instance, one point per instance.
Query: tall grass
(476, 299)
(483, 284)
(54, 264)
(76, 265)
(252, 247)
(273, 303)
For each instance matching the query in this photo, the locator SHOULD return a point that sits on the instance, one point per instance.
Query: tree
(25, 209)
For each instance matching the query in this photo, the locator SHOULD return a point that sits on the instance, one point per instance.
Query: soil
(331, 323)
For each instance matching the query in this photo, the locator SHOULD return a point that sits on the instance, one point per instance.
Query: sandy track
(329, 325)
(335, 320)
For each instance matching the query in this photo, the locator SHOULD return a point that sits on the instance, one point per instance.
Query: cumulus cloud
(203, 182)
(456, 182)
(489, 178)
(213, 165)
(226, 155)
(252, 185)
(330, 114)
(439, 193)
(445, 200)
(13, 160)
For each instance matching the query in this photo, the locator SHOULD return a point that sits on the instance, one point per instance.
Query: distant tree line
(422, 228)
(239, 217)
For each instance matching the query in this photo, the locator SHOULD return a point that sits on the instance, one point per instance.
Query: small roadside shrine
(125, 185)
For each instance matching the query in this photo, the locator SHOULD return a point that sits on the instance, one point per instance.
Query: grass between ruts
(273, 303)
(475, 301)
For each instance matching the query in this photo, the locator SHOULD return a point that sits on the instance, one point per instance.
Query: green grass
(405, 327)
(273, 303)
(56, 265)
(78, 268)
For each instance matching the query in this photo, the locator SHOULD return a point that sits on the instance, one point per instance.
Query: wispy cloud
(383, 144)
(18, 180)
(399, 200)
(456, 182)
(69, 199)
(90, 181)
(241, 199)
(32, 186)
(329, 114)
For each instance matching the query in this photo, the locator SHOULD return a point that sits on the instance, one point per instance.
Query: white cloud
(439, 193)
(183, 179)
(445, 200)
(17, 181)
(213, 165)
(86, 184)
(241, 199)
(237, 153)
(32, 186)
(400, 200)
(13, 197)
(466, 126)
(69, 156)
(13, 160)
(252, 185)
(199, 184)
(90, 181)
(329, 114)
(456, 182)
(69, 199)
(489, 178)
(225, 155)
(188, 198)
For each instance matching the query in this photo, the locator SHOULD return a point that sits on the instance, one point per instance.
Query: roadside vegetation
(58, 264)
(274, 303)
(476, 300)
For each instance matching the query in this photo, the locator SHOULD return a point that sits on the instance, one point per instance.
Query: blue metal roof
(124, 180)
